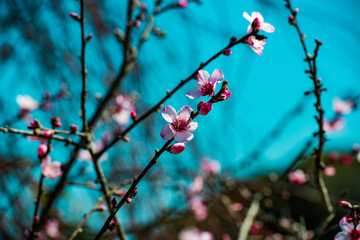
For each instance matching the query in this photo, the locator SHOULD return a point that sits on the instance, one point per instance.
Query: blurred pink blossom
(50, 169)
(85, 156)
(348, 232)
(298, 177)
(52, 228)
(346, 159)
(198, 208)
(42, 136)
(256, 45)
(182, 3)
(206, 84)
(257, 22)
(333, 126)
(210, 166)
(196, 187)
(180, 125)
(195, 234)
(334, 157)
(342, 107)
(123, 108)
(329, 171)
(26, 104)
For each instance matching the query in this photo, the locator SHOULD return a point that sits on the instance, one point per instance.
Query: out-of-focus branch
(250, 216)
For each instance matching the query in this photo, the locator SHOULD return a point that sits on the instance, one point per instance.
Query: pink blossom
(204, 108)
(26, 104)
(334, 157)
(255, 228)
(358, 156)
(257, 22)
(42, 150)
(73, 128)
(85, 156)
(195, 234)
(123, 108)
(198, 208)
(210, 166)
(342, 107)
(333, 126)
(348, 232)
(206, 84)
(52, 228)
(346, 159)
(224, 95)
(182, 3)
(50, 169)
(256, 45)
(176, 148)
(329, 171)
(180, 125)
(237, 206)
(298, 177)
(196, 187)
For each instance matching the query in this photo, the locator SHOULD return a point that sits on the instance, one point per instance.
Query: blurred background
(258, 131)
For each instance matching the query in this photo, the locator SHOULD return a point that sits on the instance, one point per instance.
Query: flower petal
(247, 17)
(194, 93)
(267, 27)
(217, 76)
(167, 132)
(257, 15)
(169, 114)
(203, 75)
(192, 126)
(184, 113)
(183, 136)
(345, 226)
(341, 236)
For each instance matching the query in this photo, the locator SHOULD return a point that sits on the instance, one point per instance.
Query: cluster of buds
(131, 195)
(55, 122)
(113, 225)
(139, 18)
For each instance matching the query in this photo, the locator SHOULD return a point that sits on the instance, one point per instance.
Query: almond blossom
(206, 84)
(195, 234)
(348, 231)
(342, 107)
(256, 45)
(198, 208)
(298, 177)
(333, 126)
(50, 169)
(26, 104)
(257, 22)
(123, 108)
(180, 125)
(52, 228)
(210, 166)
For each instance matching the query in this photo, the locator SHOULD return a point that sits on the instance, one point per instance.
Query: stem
(83, 68)
(249, 218)
(37, 205)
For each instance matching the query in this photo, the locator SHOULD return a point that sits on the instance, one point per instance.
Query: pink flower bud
(73, 128)
(298, 177)
(345, 204)
(121, 192)
(36, 218)
(113, 225)
(137, 23)
(128, 200)
(48, 133)
(182, 3)
(46, 95)
(89, 37)
(75, 16)
(102, 208)
(329, 171)
(133, 115)
(204, 108)
(113, 202)
(176, 148)
(55, 121)
(42, 150)
(346, 159)
(227, 52)
(225, 95)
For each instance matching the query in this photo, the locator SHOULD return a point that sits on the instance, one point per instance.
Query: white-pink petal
(169, 114)
(183, 136)
(267, 27)
(167, 132)
(217, 76)
(247, 16)
(184, 113)
(192, 126)
(194, 93)
(203, 75)
(257, 15)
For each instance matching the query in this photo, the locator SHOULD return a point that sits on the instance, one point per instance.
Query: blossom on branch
(26, 104)
(123, 108)
(195, 234)
(257, 22)
(50, 169)
(180, 124)
(298, 177)
(333, 126)
(206, 84)
(256, 45)
(209, 166)
(348, 231)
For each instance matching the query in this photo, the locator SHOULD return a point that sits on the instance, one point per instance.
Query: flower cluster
(349, 225)
(257, 23)
(341, 108)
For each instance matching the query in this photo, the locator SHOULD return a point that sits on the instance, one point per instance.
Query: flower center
(207, 89)
(255, 24)
(354, 234)
(180, 124)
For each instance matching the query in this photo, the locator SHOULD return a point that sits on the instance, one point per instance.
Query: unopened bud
(89, 37)
(182, 3)
(346, 204)
(73, 128)
(133, 115)
(75, 16)
(42, 150)
(204, 108)
(128, 200)
(227, 52)
(176, 148)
